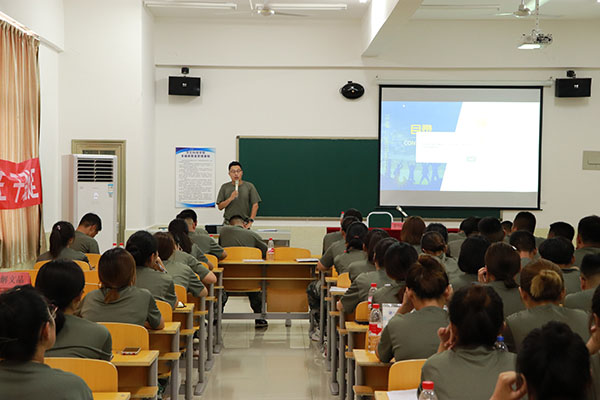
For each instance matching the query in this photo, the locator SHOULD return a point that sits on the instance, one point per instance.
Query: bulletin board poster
(195, 177)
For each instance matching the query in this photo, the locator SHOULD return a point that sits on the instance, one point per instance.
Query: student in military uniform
(178, 228)
(336, 248)
(507, 227)
(206, 276)
(542, 291)
(27, 331)
(525, 221)
(411, 335)
(439, 228)
(333, 237)
(355, 240)
(62, 282)
(181, 273)
(398, 259)
(200, 237)
(468, 227)
(467, 365)
(502, 264)
(562, 229)
(433, 244)
(491, 229)
(358, 267)
(471, 259)
(118, 300)
(593, 345)
(412, 231)
(150, 272)
(524, 242)
(61, 237)
(560, 251)
(89, 226)
(359, 289)
(588, 238)
(242, 202)
(590, 280)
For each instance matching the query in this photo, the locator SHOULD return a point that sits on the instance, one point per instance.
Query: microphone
(404, 214)
(237, 185)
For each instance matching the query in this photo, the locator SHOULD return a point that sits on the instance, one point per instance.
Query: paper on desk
(253, 260)
(266, 230)
(307, 259)
(337, 290)
(402, 394)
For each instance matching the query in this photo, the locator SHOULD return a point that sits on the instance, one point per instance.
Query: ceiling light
(306, 7)
(535, 40)
(190, 4)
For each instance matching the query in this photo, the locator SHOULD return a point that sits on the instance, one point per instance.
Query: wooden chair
(33, 275)
(90, 287)
(94, 259)
(91, 276)
(405, 375)
(242, 253)
(39, 264)
(290, 253)
(213, 259)
(84, 266)
(99, 375)
(127, 335)
(165, 310)
(362, 312)
(344, 280)
(181, 294)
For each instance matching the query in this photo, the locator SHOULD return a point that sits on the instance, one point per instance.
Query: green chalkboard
(320, 177)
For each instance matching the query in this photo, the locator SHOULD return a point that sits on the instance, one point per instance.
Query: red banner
(20, 184)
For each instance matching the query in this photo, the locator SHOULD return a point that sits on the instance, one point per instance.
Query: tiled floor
(273, 363)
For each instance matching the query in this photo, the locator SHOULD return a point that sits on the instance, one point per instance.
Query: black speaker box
(573, 87)
(184, 86)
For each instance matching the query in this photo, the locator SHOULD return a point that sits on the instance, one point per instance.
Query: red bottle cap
(375, 305)
(427, 385)
(270, 238)
(373, 285)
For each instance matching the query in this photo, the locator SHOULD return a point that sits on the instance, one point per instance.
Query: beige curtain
(21, 230)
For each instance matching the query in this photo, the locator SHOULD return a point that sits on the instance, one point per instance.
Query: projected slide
(460, 147)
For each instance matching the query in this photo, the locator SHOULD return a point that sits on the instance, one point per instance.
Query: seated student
(412, 230)
(118, 299)
(468, 227)
(336, 236)
(562, 229)
(525, 221)
(507, 227)
(399, 257)
(358, 267)
(553, 363)
(199, 236)
(433, 244)
(27, 331)
(336, 248)
(542, 291)
(62, 282)
(491, 229)
(524, 242)
(560, 251)
(590, 280)
(593, 345)
(410, 335)
(588, 238)
(439, 228)
(355, 241)
(471, 259)
(467, 365)
(89, 226)
(359, 289)
(181, 273)
(178, 228)
(150, 273)
(61, 237)
(502, 264)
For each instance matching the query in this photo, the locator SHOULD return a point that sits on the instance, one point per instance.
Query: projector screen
(450, 146)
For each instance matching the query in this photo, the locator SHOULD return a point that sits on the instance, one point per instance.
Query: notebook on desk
(307, 259)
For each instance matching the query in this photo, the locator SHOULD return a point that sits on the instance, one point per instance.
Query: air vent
(94, 170)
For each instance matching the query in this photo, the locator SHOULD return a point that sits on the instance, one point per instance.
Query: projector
(535, 40)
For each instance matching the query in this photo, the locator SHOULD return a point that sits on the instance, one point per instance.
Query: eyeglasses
(235, 171)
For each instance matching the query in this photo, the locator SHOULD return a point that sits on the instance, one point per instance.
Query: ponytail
(62, 232)
(503, 262)
(179, 229)
(355, 236)
(116, 270)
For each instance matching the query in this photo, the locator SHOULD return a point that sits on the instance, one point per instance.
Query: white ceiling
(430, 9)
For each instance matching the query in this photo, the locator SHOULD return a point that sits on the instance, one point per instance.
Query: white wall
(44, 17)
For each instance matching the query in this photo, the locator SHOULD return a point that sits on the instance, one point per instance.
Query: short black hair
(141, 245)
(233, 164)
(589, 229)
(399, 257)
(503, 261)
(353, 212)
(237, 217)
(439, 228)
(433, 241)
(188, 213)
(596, 302)
(507, 225)
(563, 229)
(590, 265)
(491, 228)
(472, 254)
(523, 240)
(524, 220)
(382, 246)
(558, 250)
(371, 241)
(555, 362)
(347, 221)
(469, 225)
(91, 219)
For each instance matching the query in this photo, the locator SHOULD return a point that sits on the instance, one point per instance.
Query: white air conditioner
(90, 185)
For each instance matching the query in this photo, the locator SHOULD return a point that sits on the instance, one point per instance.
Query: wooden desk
(356, 335)
(370, 371)
(138, 371)
(111, 396)
(218, 271)
(166, 341)
(185, 315)
(337, 344)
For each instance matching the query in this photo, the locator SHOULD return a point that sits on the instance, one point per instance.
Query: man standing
(238, 197)
(88, 228)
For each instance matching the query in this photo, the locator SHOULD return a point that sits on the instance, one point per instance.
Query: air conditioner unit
(90, 185)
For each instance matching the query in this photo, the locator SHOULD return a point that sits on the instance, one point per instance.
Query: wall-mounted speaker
(184, 86)
(573, 87)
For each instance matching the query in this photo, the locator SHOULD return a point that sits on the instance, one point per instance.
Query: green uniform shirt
(413, 335)
(32, 380)
(454, 247)
(158, 283)
(520, 324)
(187, 259)
(83, 339)
(389, 293)
(572, 281)
(184, 276)
(511, 298)
(359, 289)
(331, 238)
(134, 306)
(235, 235)
(358, 267)
(451, 266)
(525, 261)
(65, 254)
(332, 252)
(342, 261)
(84, 243)
(467, 373)
(594, 391)
(198, 254)
(207, 244)
(242, 205)
(463, 280)
(580, 300)
(456, 236)
(580, 253)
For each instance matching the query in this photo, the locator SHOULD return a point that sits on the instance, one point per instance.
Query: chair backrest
(127, 335)
(362, 312)
(94, 259)
(84, 266)
(380, 219)
(344, 280)
(10, 279)
(33, 275)
(99, 375)
(91, 276)
(39, 264)
(290, 253)
(181, 293)
(334, 273)
(90, 287)
(241, 253)
(213, 259)
(165, 310)
(405, 375)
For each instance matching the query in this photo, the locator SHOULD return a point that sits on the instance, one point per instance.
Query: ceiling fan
(523, 12)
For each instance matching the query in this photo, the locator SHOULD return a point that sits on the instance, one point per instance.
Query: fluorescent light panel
(530, 46)
(306, 6)
(190, 4)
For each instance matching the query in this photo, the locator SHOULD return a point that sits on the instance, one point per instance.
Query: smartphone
(130, 351)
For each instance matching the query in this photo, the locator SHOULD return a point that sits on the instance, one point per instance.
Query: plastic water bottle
(375, 328)
(342, 216)
(427, 393)
(500, 345)
(372, 290)
(271, 250)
